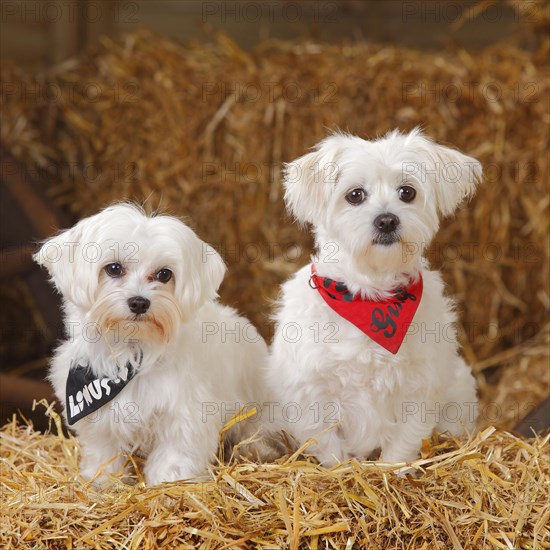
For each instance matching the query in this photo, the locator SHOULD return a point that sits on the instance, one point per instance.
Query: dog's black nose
(386, 223)
(138, 304)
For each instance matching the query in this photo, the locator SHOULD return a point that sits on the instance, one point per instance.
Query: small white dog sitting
(152, 362)
(365, 348)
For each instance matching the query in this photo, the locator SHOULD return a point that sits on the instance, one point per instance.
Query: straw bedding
(202, 131)
(489, 492)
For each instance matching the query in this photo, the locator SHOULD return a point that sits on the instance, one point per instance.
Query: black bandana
(85, 393)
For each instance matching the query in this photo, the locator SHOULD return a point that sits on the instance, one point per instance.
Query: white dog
(365, 353)
(151, 363)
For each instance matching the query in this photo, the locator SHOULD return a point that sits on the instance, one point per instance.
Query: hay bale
(488, 492)
(201, 131)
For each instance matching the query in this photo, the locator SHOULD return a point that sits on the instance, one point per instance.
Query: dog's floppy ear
(213, 271)
(201, 273)
(454, 176)
(458, 178)
(61, 256)
(309, 179)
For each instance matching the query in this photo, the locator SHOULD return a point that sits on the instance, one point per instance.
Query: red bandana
(386, 322)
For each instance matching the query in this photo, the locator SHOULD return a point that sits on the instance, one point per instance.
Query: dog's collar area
(335, 289)
(384, 321)
(85, 392)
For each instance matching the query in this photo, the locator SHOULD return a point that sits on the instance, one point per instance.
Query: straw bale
(489, 492)
(201, 130)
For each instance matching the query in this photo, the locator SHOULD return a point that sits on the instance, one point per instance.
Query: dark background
(41, 33)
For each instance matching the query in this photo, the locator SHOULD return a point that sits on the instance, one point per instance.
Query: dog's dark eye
(406, 193)
(163, 275)
(114, 270)
(356, 196)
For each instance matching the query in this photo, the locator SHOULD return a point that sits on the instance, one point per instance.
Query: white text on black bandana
(86, 393)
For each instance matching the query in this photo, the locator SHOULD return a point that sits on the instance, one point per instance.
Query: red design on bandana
(386, 322)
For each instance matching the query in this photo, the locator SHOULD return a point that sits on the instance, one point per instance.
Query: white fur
(348, 393)
(195, 372)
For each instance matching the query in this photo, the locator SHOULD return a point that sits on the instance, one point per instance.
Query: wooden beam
(538, 420)
(41, 214)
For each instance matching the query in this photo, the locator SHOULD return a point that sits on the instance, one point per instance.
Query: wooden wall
(40, 33)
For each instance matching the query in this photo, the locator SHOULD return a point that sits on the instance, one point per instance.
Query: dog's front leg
(181, 456)
(414, 423)
(101, 458)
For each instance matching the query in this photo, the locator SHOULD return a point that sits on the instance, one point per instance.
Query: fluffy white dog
(152, 363)
(365, 354)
